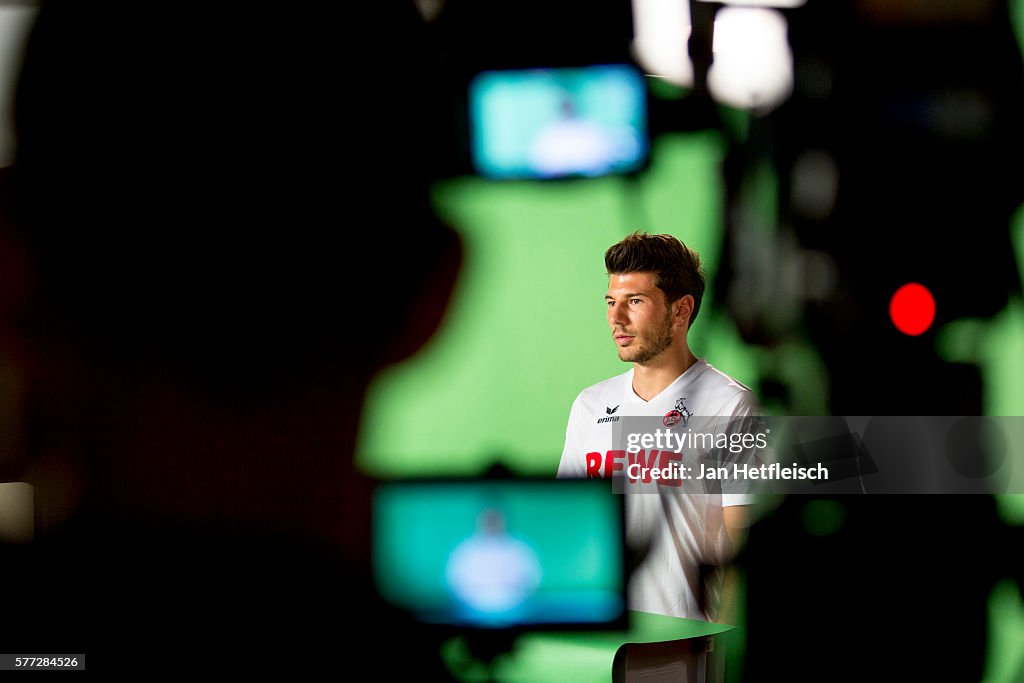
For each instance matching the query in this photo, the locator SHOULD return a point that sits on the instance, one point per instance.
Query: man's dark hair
(676, 268)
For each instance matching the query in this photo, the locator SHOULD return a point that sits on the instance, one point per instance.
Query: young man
(655, 286)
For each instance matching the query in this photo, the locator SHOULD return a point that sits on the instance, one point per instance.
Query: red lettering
(638, 458)
(613, 462)
(666, 458)
(593, 465)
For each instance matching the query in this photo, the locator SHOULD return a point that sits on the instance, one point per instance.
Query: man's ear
(429, 302)
(684, 307)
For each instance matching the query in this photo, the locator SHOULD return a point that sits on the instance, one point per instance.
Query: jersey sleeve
(739, 415)
(571, 465)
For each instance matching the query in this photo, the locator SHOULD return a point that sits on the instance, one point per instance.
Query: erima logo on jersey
(609, 419)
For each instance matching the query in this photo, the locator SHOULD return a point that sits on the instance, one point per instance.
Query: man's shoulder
(604, 397)
(611, 386)
(713, 378)
(723, 393)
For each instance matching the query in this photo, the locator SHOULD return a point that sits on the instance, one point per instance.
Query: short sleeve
(740, 416)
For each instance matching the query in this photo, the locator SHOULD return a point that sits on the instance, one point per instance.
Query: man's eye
(635, 301)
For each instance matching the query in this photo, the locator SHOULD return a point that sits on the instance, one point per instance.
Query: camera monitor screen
(560, 122)
(495, 554)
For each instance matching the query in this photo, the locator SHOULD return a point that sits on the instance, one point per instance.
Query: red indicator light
(912, 309)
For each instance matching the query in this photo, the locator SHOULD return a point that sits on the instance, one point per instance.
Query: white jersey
(682, 523)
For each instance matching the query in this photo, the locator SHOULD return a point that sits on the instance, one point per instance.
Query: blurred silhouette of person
(218, 231)
(493, 574)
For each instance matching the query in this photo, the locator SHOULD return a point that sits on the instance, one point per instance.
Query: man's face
(642, 322)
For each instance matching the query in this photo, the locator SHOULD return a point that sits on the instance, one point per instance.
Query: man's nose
(617, 315)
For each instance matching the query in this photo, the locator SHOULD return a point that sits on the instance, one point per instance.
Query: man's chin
(631, 356)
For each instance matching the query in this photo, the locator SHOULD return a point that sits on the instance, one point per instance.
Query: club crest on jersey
(678, 414)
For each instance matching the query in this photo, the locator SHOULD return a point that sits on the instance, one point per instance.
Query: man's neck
(651, 378)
